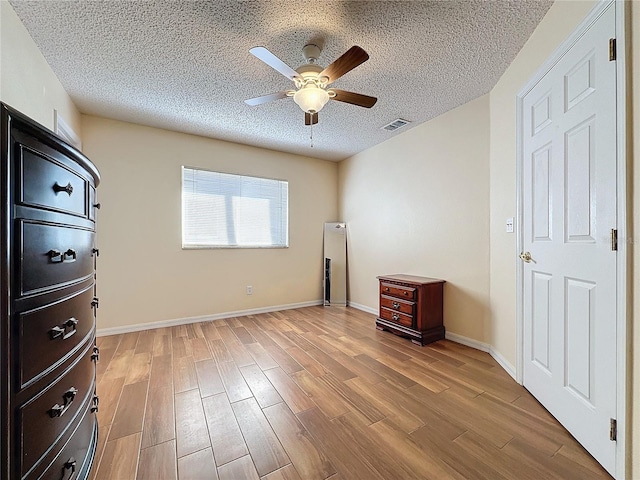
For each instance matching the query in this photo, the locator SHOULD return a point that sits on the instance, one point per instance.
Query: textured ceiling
(186, 66)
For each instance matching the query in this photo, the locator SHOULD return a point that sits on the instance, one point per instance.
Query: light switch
(510, 225)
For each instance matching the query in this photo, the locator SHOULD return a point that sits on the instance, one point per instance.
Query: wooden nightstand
(411, 306)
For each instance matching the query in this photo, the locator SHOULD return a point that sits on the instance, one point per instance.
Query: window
(224, 210)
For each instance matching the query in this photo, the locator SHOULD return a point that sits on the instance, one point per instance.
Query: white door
(569, 209)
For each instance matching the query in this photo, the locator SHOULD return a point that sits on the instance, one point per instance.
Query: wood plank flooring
(317, 393)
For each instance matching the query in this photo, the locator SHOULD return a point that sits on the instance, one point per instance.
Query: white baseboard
(484, 347)
(101, 332)
(364, 308)
(504, 363)
(469, 342)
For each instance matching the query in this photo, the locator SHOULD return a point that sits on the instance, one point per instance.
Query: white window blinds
(224, 210)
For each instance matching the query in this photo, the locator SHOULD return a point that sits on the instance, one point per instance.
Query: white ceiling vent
(396, 124)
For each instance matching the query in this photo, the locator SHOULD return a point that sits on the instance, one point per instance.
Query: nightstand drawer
(397, 304)
(397, 290)
(401, 318)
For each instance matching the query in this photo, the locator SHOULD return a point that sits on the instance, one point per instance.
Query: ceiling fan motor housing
(311, 52)
(310, 69)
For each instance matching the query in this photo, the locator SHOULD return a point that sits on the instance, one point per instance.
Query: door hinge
(612, 49)
(614, 239)
(613, 430)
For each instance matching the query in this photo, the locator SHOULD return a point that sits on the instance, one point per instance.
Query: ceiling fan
(311, 80)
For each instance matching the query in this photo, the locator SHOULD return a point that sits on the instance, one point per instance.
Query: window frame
(224, 247)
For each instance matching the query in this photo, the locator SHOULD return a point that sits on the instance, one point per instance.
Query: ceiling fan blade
(310, 119)
(347, 62)
(274, 62)
(354, 98)
(266, 98)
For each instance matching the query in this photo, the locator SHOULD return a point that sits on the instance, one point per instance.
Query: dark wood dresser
(47, 299)
(411, 306)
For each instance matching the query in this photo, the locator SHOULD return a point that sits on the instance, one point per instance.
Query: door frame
(622, 175)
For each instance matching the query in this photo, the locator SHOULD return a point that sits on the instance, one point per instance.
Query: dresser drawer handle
(96, 403)
(68, 397)
(386, 289)
(395, 317)
(69, 465)
(395, 305)
(405, 293)
(65, 257)
(61, 330)
(53, 254)
(59, 188)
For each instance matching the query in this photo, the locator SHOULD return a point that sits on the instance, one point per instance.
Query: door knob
(526, 256)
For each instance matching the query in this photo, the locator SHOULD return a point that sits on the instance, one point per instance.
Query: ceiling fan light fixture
(311, 98)
(311, 80)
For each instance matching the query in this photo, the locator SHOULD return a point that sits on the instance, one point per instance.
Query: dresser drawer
(45, 183)
(52, 256)
(397, 290)
(401, 318)
(46, 417)
(92, 203)
(397, 304)
(49, 333)
(75, 456)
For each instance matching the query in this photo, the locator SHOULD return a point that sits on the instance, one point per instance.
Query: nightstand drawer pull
(395, 305)
(59, 188)
(395, 317)
(68, 397)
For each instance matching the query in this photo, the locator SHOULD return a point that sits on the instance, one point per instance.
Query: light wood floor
(317, 393)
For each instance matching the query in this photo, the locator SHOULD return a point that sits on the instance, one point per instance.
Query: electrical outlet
(249, 290)
(510, 225)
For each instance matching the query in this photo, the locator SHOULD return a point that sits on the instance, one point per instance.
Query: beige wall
(27, 83)
(419, 204)
(144, 275)
(561, 19)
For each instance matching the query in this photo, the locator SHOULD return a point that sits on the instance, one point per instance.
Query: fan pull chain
(311, 136)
